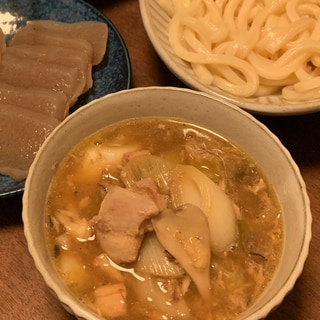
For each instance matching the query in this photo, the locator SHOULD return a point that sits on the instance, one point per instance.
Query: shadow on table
(102, 3)
(300, 134)
(10, 210)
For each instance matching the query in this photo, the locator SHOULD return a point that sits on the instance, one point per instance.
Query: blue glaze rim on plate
(111, 75)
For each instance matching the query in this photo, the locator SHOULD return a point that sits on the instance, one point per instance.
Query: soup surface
(154, 218)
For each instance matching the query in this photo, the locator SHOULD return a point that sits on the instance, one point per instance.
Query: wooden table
(23, 293)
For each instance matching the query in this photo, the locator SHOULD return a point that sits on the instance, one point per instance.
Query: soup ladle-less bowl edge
(200, 108)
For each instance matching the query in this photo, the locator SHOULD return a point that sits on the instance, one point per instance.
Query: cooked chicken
(123, 219)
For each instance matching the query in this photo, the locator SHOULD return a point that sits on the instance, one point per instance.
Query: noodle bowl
(249, 48)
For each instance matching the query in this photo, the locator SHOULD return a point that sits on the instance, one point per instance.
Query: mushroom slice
(184, 232)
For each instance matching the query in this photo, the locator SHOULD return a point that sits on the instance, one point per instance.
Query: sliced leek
(147, 166)
(189, 185)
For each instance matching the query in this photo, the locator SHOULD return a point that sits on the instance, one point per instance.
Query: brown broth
(238, 275)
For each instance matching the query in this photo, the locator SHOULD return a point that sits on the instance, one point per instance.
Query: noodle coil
(249, 48)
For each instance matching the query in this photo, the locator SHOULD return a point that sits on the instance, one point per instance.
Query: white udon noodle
(250, 48)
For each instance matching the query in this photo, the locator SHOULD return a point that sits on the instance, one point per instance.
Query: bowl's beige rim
(83, 313)
(269, 105)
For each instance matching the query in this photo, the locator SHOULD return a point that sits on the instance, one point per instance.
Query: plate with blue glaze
(111, 75)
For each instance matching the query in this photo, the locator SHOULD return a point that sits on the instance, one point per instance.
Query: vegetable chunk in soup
(156, 218)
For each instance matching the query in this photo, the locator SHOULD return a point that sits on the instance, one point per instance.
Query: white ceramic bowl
(156, 22)
(230, 121)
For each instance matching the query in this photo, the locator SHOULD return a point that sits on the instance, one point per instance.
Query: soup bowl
(223, 118)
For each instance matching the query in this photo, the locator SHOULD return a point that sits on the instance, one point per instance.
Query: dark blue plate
(113, 74)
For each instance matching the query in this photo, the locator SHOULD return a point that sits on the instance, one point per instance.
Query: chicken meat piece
(124, 218)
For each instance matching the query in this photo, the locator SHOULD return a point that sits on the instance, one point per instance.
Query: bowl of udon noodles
(260, 55)
(166, 203)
